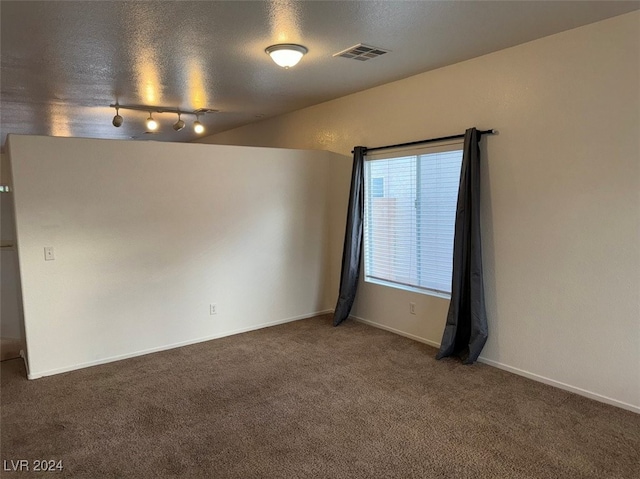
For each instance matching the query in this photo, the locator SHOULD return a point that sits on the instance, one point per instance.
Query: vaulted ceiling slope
(64, 63)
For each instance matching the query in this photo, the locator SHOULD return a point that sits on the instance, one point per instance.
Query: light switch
(48, 253)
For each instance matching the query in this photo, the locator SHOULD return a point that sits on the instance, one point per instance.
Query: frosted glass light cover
(286, 55)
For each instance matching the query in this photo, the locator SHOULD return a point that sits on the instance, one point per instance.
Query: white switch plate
(412, 308)
(213, 309)
(48, 253)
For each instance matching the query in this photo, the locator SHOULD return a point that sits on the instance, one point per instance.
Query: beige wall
(147, 235)
(561, 199)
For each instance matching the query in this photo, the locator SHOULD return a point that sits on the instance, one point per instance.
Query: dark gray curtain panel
(466, 330)
(352, 240)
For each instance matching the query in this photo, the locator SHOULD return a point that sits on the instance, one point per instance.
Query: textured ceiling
(64, 63)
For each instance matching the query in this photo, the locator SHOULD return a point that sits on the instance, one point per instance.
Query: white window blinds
(410, 209)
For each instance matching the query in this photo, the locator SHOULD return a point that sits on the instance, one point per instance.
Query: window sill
(412, 289)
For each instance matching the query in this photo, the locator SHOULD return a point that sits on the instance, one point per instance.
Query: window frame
(447, 146)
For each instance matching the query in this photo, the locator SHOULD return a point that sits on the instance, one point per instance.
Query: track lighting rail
(153, 125)
(164, 109)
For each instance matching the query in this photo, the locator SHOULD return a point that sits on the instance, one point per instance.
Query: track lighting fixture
(178, 125)
(152, 124)
(117, 120)
(286, 55)
(197, 126)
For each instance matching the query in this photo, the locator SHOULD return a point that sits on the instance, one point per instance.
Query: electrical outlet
(213, 309)
(412, 308)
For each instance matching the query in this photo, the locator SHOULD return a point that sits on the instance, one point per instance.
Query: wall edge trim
(23, 355)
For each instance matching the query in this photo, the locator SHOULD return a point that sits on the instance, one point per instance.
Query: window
(377, 187)
(410, 210)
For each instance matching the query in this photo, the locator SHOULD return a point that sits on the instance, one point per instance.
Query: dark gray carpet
(305, 400)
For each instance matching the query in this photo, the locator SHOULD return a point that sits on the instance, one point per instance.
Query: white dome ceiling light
(286, 55)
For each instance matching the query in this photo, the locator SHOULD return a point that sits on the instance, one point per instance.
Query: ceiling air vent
(361, 52)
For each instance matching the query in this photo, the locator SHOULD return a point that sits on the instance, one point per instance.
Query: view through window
(410, 209)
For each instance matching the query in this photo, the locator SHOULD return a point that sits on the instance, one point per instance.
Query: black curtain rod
(420, 142)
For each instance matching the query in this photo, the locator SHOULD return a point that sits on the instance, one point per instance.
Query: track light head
(152, 125)
(179, 125)
(117, 120)
(198, 127)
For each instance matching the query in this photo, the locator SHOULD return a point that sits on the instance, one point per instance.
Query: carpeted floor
(305, 400)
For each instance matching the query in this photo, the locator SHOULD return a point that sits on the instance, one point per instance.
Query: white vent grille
(361, 52)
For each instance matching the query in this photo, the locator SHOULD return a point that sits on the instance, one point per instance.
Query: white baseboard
(561, 385)
(490, 362)
(514, 370)
(51, 372)
(397, 331)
